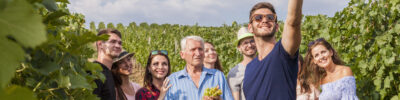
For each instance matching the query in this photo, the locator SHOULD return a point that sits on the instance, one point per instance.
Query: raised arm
(291, 36)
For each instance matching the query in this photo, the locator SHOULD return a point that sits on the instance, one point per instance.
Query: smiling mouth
(197, 58)
(212, 57)
(160, 72)
(323, 60)
(117, 49)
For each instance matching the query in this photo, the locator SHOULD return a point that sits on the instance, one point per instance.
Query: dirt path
(138, 73)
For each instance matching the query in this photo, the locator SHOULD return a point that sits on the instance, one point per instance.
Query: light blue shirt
(183, 87)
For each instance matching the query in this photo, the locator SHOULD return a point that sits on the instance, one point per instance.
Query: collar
(184, 73)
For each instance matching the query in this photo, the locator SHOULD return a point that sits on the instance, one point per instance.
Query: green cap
(242, 33)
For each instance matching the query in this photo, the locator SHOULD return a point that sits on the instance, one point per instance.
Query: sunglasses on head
(154, 52)
(313, 42)
(259, 17)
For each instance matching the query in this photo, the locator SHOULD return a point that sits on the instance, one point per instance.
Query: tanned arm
(291, 36)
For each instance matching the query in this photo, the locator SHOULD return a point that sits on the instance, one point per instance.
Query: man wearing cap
(106, 52)
(247, 47)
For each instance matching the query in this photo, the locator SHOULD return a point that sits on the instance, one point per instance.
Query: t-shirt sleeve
(233, 83)
(99, 85)
(285, 54)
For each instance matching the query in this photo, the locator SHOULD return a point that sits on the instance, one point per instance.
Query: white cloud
(188, 12)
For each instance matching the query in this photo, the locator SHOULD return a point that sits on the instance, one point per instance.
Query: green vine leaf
(20, 25)
(16, 93)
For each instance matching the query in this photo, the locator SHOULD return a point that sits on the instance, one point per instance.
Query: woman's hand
(164, 88)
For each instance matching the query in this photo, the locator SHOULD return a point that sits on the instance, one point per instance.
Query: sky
(189, 12)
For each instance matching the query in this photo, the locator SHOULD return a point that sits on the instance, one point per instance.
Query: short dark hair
(261, 5)
(109, 31)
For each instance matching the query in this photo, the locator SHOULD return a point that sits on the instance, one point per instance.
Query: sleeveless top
(342, 89)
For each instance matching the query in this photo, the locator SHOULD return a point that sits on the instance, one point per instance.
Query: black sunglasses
(154, 52)
(269, 17)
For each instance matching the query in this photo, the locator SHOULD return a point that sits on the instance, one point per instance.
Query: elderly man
(191, 82)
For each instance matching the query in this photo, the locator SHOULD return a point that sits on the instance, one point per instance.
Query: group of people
(117, 67)
(270, 69)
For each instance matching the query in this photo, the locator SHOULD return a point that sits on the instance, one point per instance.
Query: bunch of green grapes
(213, 92)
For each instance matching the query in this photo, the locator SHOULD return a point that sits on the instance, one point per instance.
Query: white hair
(196, 38)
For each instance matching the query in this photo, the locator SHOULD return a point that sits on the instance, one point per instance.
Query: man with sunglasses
(272, 74)
(191, 82)
(107, 50)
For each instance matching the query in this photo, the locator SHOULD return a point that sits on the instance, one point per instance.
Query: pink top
(136, 87)
(313, 95)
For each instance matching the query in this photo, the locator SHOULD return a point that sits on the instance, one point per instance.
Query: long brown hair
(217, 63)
(313, 74)
(117, 80)
(302, 77)
(148, 78)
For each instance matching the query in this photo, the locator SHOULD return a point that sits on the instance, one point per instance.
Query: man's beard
(269, 35)
(249, 55)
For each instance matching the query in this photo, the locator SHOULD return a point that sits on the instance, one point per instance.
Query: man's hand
(212, 98)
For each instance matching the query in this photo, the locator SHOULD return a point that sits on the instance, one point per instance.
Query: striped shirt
(183, 87)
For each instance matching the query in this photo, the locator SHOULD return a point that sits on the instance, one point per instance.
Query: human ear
(99, 44)
(250, 28)
(331, 53)
(181, 54)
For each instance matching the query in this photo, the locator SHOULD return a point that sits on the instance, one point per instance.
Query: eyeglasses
(259, 17)
(154, 52)
(247, 42)
(313, 42)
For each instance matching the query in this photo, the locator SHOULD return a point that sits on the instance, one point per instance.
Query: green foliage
(93, 27)
(101, 26)
(366, 36)
(14, 92)
(110, 25)
(45, 52)
(46, 48)
(18, 31)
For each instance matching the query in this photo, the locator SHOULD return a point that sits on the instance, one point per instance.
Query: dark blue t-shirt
(272, 78)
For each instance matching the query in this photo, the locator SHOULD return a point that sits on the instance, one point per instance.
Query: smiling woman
(121, 70)
(336, 80)
(155, 82)
(211, 59)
